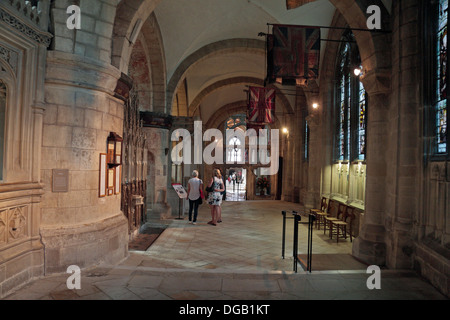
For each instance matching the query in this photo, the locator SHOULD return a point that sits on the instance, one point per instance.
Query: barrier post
(283, 242)
(310, 234)
(297, 219)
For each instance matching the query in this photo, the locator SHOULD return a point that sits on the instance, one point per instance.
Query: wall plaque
(102, 179)
(60, 180)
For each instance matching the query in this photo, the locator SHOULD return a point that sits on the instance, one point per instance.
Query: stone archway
(217, 122)
(217, 48)
(281, 97)
(128, 14)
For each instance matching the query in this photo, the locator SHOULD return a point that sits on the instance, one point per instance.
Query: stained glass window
(237, 121)
(342, 120)
(362, 123)
(441, 106)
(352, 105)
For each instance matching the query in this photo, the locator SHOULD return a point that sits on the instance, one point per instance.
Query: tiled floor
(239, 259)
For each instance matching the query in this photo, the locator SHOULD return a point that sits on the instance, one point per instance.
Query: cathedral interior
(107, 105)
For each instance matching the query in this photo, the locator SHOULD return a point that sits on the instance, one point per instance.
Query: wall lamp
(358, 71)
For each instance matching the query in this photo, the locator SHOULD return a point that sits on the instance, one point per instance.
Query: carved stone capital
(377, 82)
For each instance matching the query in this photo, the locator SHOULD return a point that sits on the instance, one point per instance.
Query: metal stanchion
(297, 219)
(283, 241)
(311, 220)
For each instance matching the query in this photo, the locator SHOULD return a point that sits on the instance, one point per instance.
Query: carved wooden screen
(134, 171)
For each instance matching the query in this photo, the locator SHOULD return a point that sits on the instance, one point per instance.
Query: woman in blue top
(215, 197)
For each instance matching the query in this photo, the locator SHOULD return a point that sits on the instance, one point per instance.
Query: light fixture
(315, 105)
(285, 130)
(114, 155)
(357, 71)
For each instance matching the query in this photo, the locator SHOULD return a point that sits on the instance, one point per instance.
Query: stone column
(404, 164)
(78, 226)
(299, 131)
(370, 246)
(315, 162)
(288, 162)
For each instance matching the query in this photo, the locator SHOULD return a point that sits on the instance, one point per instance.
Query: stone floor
(239, 259)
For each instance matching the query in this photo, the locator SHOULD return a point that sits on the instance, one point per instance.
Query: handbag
(200, 200)
(210, 188)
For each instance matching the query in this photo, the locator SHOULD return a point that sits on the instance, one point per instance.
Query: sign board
(60, 180)
(182, 194)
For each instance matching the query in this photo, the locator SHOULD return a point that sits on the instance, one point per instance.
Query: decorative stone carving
(17, 222)
(10, 57)
(40, 37)
(13, 224)
(2, 227)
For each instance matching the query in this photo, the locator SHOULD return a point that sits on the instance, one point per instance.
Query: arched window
(234, 155)
(2, 124)
(351, 104)
(234, 152)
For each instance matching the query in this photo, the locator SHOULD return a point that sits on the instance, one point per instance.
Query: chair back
(350, 215)
(331, 206)
(342, 209)
(323, 204)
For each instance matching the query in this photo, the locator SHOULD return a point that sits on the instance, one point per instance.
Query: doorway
(236, 184)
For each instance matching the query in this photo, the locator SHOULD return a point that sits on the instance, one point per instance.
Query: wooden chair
(343, 226)
(329, 216)
(319, 213)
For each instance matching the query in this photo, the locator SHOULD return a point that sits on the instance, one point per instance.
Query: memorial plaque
(60, 180)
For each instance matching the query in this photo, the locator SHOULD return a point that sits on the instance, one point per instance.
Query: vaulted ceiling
(213, 50)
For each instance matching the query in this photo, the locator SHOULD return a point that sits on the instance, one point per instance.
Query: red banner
(293, 54)
(261, 106)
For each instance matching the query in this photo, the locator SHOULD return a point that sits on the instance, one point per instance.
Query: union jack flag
(261, 106)
(293, 53)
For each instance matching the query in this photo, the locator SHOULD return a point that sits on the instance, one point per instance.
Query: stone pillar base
(370, 246)
(432, 262)
(85, 245)
(20, 264)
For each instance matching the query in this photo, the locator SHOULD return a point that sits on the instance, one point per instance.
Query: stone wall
(93, 40)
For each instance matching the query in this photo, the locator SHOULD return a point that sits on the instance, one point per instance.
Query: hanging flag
(293, 54)
(292, 4)
(256, 127)
(261, 106)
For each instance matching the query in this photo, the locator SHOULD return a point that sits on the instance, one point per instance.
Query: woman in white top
(193, 193)
(215, 197)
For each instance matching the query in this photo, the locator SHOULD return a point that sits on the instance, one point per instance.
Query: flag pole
(324, 27)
